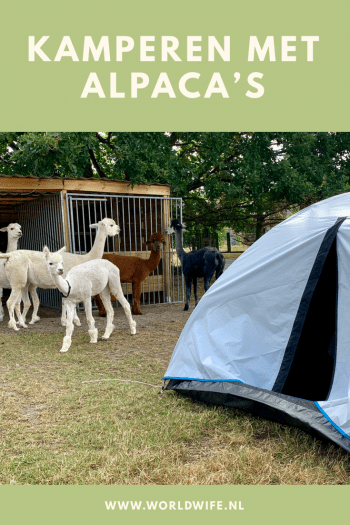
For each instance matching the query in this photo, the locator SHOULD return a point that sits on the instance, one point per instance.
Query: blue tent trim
(287, 410)
(204, 380)
(332, 422)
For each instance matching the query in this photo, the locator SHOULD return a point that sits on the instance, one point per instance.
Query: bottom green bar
(187, 504)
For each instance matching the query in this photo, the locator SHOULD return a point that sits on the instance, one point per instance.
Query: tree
(247, 181)
(250, 180)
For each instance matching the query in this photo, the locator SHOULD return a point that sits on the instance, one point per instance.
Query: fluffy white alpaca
(14, 233)
(83, 282)
(28, 268)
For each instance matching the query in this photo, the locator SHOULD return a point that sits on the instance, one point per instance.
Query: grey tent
(272, 334)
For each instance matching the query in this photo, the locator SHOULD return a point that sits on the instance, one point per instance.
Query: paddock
(57, 212)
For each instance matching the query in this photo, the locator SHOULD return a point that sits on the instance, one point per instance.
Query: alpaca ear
(3, 229)
(62, 250)
(93, 225)
(46, 252)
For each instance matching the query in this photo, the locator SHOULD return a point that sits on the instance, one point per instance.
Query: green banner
(189, 65)
(187, 505)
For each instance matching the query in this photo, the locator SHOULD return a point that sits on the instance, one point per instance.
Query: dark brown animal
(134, 270)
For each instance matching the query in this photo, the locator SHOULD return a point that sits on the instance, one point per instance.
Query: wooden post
(228, 238)
(217, 240)
(65, 218)
(166, 253)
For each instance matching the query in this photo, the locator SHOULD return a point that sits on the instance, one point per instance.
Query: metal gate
(43, 224)
(138, 217)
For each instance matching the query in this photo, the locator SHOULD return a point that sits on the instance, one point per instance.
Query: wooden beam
(24, 184)
(119, 187)
(98, 186)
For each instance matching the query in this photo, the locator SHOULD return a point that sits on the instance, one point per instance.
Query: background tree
(247, 181)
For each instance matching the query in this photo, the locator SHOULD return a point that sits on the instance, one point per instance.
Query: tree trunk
(259, 229)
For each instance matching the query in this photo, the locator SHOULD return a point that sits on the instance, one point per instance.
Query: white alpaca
(28, 268)
(83, 282)
(14, 233)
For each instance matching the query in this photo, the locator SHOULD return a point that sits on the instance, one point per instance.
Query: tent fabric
(276, 322)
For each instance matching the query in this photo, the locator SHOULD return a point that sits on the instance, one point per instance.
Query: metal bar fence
(42, 223)
(138, 217)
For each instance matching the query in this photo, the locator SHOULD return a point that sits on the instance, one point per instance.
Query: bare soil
(158, 329)
(50, 319)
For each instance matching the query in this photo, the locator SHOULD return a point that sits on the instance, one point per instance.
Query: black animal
(198, 263)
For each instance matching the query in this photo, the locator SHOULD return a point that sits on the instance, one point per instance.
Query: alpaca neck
(153, 260)
(61, 283)
(11, 245)
(97, 250)
(178, 244)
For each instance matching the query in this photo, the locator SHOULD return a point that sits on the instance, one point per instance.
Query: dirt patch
(166, 317)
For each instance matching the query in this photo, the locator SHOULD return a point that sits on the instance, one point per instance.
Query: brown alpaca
(134, 270)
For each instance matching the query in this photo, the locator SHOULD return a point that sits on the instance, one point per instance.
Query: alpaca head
(107, 226)
(156, 241)
(54, 260)
(13, 230)
(175, 226)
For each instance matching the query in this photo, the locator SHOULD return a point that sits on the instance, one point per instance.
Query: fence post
(65, 219)
(228, 238)
(166, 252)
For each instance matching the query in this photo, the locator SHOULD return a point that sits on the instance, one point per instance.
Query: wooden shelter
(57, 211)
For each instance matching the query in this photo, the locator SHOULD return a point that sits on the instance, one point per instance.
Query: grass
(57, 430)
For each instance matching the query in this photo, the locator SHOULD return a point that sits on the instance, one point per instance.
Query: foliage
(248, 181)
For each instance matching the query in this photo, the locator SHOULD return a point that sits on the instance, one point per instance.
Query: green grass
(58, 430)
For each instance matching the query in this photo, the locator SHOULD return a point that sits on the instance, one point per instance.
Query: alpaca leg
(101, 310)
(188, 281)
(67, 340)
(15, 296)
(207, 280)
(76, 318)
(26, 306)
(117, 291)
(64, 313)
(20, 318)
(136, 293)
(195, 290)
(36, 304)
(106, 300)
(90, 321)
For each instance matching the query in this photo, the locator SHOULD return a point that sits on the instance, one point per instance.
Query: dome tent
(272, 334)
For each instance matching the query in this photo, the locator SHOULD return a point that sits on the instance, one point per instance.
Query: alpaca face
(108, 226)
(175, 226)
(54, 261)
(156, 240)
(13, 230)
